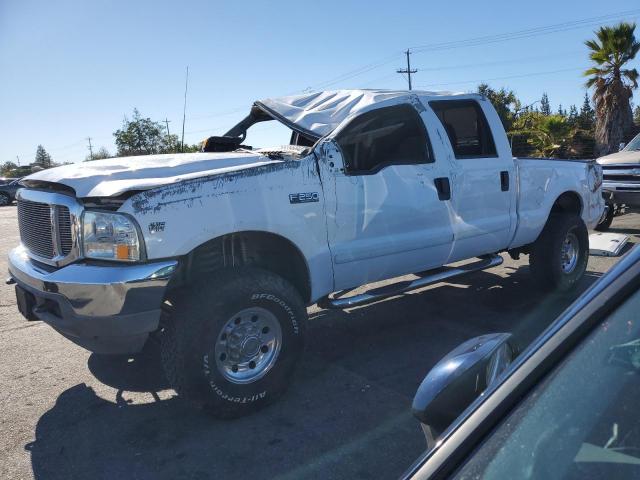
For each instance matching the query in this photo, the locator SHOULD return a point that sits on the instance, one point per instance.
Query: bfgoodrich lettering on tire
(559, 256)
(231, 342)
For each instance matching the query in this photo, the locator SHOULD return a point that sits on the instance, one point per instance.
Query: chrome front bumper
(106, 309)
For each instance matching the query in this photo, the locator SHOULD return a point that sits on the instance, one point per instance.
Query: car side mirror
(621, 146)
(222, 144)
(458, 379)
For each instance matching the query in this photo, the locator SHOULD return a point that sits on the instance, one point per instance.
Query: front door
(384, 215)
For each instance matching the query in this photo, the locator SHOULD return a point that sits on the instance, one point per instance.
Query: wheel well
(252, 248)
(568, 202)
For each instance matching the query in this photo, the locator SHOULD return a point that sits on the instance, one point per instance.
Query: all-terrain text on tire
(230, 345)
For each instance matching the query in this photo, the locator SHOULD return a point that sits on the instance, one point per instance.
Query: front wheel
(559, 256)
(4, 199)
(231, 345)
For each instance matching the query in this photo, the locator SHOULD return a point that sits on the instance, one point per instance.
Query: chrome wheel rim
(248, 345)
(569, 255)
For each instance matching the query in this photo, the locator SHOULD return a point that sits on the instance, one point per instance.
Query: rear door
(482, 177)
(384, 214)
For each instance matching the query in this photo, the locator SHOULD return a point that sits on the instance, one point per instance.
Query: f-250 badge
(155, 227)
(303, 197)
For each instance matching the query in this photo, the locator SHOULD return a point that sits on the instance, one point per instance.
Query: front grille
(37, 231)
(64, 230)
(622, 178)
(34, 222)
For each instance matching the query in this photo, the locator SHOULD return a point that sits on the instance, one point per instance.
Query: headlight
(110, 236)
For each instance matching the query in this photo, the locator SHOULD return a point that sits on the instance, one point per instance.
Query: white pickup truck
(217, 253)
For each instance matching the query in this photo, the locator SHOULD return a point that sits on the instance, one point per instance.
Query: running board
(337, 301)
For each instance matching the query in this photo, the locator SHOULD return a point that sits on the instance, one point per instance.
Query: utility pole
(184, 109)
(90, 148)
(18, 157)
(166, 122)
(408, 70)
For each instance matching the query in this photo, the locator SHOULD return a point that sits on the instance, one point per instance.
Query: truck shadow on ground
(346, 415)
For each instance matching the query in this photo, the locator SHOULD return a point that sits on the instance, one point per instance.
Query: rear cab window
(467, 128)
(382, 137)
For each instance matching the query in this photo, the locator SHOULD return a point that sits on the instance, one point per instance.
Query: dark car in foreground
(566, 407)
(8, 189)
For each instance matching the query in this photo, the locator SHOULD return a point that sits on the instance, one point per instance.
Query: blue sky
(73, 69)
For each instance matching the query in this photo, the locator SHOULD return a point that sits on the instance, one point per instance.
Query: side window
(386, 136)
(467, 128)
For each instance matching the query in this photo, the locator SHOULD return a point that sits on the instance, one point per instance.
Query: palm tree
(613, 84)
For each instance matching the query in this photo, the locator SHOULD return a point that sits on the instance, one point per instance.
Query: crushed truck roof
(320, 113)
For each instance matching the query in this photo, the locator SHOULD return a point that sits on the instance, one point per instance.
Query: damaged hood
(114, 176)
(320, 113)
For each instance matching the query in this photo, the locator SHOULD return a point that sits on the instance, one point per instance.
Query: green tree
(613, 84)
(504, 101)
(196, 147)
(587, 116)
(572, 116)
(546, 135)
(7, 168)
(143, 136)
(101, 154)
(43, 159)
(545, 106)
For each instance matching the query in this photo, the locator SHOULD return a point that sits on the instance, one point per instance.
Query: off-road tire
(546, 256)
(193, 327)
(605, 224)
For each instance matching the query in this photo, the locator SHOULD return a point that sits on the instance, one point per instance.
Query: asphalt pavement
(66, 413)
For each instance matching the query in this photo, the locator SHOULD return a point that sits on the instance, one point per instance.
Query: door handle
(504, 181)
(443, 188)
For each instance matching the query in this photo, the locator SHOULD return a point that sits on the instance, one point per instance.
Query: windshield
(633, 145)
(582, 422)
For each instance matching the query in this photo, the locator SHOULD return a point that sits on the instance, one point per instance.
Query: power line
(475, 41)
(544, 58)
(525, 33)
(407, 70)
(533, 74)
(354, 73)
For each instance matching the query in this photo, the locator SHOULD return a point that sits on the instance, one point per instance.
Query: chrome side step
(338, 301)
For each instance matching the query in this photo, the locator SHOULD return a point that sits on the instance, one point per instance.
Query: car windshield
(582, 421)
(633, 145)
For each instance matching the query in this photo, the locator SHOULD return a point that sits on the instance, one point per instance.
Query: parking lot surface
(66, 413)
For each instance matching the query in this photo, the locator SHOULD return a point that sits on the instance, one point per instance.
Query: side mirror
(621, 146)
(222, 144)
(458, 379)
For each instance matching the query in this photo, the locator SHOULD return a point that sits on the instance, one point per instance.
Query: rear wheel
(232, 345)
(559, 256)
(4, 199)
(606, 221)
